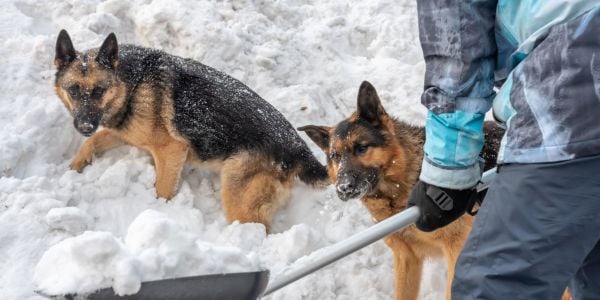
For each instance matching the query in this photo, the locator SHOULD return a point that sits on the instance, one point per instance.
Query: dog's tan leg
(451, 247)
(250, 193)
(168, 162)
(566, 295)
(451, 254)
(408, 267)
(255, 201)
(99, 142)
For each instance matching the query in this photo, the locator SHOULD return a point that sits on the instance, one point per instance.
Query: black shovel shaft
(357, 242)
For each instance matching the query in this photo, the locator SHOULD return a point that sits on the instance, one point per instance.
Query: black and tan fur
(180, 110)
(377, 158)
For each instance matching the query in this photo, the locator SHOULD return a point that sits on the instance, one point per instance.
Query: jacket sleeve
(457, 38)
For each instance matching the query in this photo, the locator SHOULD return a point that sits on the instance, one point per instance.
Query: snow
(64, 231)
(155, 247)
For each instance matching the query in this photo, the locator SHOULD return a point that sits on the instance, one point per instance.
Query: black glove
(440, 206)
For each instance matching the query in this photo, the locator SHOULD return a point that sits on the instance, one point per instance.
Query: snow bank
(155, 247)
(306, 57)
(84, 263)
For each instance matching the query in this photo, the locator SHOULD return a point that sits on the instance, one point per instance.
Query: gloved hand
(440, 206)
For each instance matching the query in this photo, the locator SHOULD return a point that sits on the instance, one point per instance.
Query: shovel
(252, 285)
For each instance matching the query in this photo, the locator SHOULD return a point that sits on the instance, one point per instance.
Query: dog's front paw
(79, 163)
(164, 195)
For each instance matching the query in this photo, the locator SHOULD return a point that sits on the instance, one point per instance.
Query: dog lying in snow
(180, 110)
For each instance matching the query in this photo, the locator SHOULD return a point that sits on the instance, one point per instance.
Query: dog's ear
(319, 135)
(65, 53)
(368, 105)
(108, 55)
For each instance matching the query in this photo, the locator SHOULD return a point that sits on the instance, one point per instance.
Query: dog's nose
(85, 128)
(345, 187)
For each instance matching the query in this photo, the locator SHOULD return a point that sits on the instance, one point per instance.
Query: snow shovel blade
(228, 286)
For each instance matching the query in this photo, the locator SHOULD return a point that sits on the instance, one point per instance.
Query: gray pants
(537, 232)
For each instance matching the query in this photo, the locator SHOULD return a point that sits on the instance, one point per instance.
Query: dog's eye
(335, 156)
(73, 91)
(361, 149)
(97, 92)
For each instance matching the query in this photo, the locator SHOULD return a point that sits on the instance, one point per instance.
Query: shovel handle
(345, 247)
(356, 242)
(486, 178)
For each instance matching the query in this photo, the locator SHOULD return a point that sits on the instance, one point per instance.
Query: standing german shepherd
(181, 111)
(377, 158)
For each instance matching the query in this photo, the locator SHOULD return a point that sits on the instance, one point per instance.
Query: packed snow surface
(68, 232)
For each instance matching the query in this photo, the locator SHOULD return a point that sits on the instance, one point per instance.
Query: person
(538, 229)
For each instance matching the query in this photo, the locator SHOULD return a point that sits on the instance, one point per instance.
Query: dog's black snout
(86, 128)
(345, 187)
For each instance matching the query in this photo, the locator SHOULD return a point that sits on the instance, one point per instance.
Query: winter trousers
(537, 231)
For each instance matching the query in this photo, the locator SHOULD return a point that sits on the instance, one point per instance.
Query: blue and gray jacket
(544, 55)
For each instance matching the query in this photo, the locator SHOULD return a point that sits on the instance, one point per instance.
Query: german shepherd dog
(377, 158)
(180, 110)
